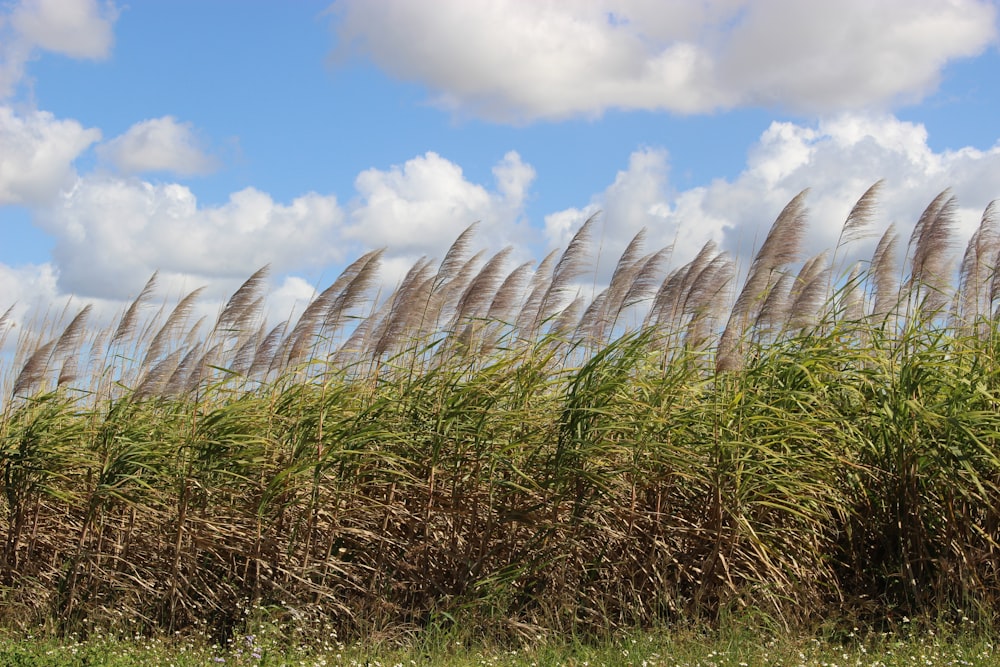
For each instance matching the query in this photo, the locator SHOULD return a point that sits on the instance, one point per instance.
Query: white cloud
(419, 208)
(36, 155)
(74, 28)
(112, 233)
(158, 144)
(519, 61)
(838, 159)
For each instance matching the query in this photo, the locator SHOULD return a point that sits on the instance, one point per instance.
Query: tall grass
(479, 447)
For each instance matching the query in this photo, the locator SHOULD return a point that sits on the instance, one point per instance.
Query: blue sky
(205, 138)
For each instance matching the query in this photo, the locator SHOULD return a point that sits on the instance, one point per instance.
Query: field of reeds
(803, 440)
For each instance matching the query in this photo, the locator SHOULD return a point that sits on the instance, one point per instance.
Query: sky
(204, 139)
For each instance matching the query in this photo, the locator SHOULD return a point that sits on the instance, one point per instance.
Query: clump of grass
(480, 450)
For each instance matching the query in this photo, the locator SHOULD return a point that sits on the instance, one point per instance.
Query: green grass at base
(738, 648)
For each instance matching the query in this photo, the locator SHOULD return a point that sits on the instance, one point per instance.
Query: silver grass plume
(72, 336)
(539, 286)
(127, 323)
(707, 285)
(245, 353)
(705, 302)
(591, 322)
(678, 287)
(568, 319)
(779, 248)
(852, 296)
(508, 297)
(323, 312)
(5, 324)
(884, 272)
(810, 292)
(570, 266)
(355, 291)
(477, 298)
(645, 283)
(358, 343)
(157, 376)
(924, 221)
(69, 371)
(33, 370)
(453, 275)
(456, 256)
(193, 335)
(858, 224)
(442, 307)
(240, 306)
(67, 346)
(170, 328)
(777, 305)
(409, 297)
(929, 264)
(978, 270)
(176, 384)
(267, 352)
(199, 371)
(667, 304)
(623, 275)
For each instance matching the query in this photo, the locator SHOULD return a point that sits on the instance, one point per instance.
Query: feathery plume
(235, 311)
(777, 304)
(508, 296)
(591, 322)
(353, 293)
(646, 279)
(810, 292)
(569, 267)
(567, 319)
(931, 255)
(410, 296)
(157, 376)
(852, 298)
(169, 329)
(456, 256)
(480, 292)
(266, 354)
(623, 275)
(127, 323)
(245, 353)
(859, 220)
(540, 285)
(779, 248)
(883, 272)
(977, 269)
(72, 335)
(34, 369)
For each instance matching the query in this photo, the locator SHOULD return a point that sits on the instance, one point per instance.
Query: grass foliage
(816, 442)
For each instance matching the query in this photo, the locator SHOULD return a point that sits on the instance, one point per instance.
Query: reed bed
(816, 442)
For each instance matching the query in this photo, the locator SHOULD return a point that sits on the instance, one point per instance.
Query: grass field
(685, 649)
(810, 444)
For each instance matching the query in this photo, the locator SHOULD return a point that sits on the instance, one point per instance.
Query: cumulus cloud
(74, 28)
(521, 61)
(419, 208)
(112, 233)
(837, 159)
(38, 153)
(158, 144)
